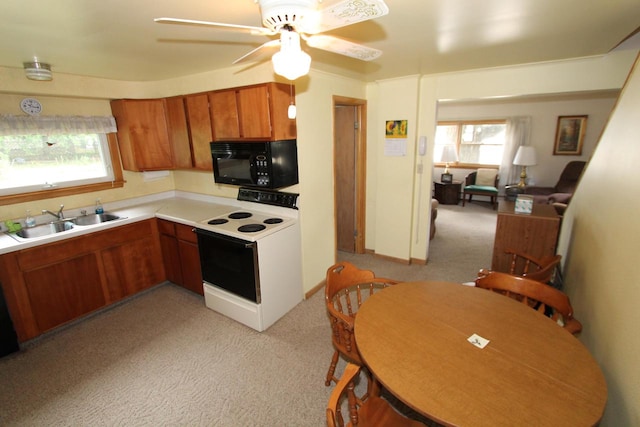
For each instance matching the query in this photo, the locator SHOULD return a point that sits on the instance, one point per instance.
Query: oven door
(230, 264)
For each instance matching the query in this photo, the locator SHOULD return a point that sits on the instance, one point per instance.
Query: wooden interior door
(349, 173)
(344, 155)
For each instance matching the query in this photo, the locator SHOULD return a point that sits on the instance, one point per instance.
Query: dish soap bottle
(29, 221)
(99, 209)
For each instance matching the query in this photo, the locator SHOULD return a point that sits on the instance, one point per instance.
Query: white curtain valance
(55, 125)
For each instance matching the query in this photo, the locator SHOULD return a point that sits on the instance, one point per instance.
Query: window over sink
(49, 157)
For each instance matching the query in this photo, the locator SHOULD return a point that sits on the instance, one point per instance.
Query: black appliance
(265, 164)
(8, 338)
(230, 263)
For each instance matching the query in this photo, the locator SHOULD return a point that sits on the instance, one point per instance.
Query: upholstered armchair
(483, 182)
(563, 190)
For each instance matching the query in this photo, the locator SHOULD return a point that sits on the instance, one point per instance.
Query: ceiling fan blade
(341, 14)
(270, 43)
(343, 47)
(252, 30)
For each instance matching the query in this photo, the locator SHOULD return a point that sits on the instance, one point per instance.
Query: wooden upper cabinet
(178, 132)
(224, 114)
(198, 118)
(252, 113)
(190, 131)
(143, 136)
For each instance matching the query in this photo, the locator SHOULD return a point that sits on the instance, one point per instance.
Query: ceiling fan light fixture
(291, 62)
(37, 71)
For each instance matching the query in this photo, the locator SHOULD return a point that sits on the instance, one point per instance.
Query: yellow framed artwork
(396, 129)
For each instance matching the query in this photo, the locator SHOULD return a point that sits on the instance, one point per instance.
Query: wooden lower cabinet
(52, 284)
(132, 267)
(64, 291)
(181, 257)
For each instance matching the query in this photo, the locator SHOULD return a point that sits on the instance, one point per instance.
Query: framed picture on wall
(570, 135)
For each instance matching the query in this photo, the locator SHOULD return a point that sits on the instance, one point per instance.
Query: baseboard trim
(315, 289)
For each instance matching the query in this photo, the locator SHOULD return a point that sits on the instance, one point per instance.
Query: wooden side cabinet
(535, 234)
(447, 193)
(180, 253)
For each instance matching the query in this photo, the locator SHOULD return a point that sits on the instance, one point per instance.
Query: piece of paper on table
(478, 341)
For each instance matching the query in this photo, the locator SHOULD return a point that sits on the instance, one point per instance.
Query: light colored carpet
(463, 244)
(162, 358)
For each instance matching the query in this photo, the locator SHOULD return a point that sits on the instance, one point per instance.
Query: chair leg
(332, 369)
(464, 198)
(353, 401)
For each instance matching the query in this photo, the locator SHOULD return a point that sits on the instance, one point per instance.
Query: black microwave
(265, 164)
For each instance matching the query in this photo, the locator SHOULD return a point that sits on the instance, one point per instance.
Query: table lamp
(526, 156)
(449, 155)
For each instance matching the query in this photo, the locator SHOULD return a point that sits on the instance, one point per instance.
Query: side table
(447, 193)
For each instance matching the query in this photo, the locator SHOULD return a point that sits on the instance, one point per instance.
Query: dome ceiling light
(37, 70)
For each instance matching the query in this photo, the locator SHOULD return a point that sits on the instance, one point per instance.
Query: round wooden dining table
(415, 339)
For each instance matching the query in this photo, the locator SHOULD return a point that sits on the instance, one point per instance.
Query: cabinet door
(200, 130)
(253, 107)
(281, 95)
(142, 134)
(224, 115)
(64, 291)
(132, 267)
(189, 258)
(178, 132)
(170, 251)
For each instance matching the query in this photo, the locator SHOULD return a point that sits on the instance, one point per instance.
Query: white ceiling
(118, 39)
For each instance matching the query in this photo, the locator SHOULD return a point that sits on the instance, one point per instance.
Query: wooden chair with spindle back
(537, 295)
(347, 287)
(372, 410)
(540, 269)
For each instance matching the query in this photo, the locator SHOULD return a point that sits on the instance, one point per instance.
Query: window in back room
(478, 143)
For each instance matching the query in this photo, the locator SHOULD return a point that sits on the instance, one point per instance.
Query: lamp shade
(526, 156)
(449, 154)
(291, 62)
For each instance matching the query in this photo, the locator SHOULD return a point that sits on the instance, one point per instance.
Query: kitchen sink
(45, 229)
(94, 219)
(65, 225)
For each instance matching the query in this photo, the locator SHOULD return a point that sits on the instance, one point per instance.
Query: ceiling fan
(303, 19)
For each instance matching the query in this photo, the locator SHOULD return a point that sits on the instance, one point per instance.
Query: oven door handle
(233, 240)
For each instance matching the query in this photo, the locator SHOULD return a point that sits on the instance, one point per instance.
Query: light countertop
(179, 207)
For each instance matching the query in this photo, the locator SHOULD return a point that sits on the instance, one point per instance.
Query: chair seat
(481, 188)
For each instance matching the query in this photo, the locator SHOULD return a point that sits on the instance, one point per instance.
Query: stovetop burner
(273, 221)
(251, 228)
(240, 215)
(218, 221)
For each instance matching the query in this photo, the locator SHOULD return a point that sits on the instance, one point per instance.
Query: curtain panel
(518, 129)
(55, 125)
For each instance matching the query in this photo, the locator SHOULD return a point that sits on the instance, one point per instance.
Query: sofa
(563, 190)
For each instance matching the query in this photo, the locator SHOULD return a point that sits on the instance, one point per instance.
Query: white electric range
(251, 258)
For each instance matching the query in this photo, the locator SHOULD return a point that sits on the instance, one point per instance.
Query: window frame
(49, 193)
(460, 124)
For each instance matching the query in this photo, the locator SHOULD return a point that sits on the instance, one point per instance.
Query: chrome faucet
(59, 215)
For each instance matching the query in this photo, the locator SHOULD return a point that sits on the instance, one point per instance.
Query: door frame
(361, 169)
